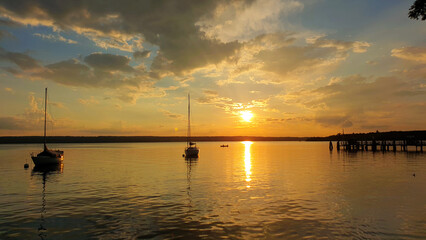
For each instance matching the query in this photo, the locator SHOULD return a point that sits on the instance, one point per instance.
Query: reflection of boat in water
(45, 171)
(190, 162)
(223, 145)
(48, 169)
(47, 156)
(191, 150)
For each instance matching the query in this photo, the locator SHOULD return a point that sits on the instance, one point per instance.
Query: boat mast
(189, 122)
(45, 107)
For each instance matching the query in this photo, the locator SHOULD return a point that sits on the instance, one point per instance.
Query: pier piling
(382, 145)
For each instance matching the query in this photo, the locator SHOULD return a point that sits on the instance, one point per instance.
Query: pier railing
(379, 145)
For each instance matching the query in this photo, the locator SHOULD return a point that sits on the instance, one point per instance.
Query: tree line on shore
(392, 135)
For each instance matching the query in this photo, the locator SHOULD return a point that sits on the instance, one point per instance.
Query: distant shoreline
(393, 135)
(129, 139)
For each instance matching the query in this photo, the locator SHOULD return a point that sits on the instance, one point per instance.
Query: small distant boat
(223, 145)
(47, 156)
(191, 150)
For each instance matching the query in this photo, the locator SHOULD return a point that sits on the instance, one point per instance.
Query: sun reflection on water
(247, 161)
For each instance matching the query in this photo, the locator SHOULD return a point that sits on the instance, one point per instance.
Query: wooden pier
(380, 145)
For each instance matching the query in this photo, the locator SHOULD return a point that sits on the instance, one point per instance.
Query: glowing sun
(246, 115)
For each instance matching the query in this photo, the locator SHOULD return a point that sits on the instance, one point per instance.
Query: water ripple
(261, 190)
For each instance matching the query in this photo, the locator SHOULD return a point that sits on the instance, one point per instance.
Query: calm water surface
(267, 190)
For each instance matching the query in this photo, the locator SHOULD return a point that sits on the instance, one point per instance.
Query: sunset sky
(260, 68)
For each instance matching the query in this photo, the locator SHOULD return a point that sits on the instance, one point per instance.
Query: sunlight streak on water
(247, 161)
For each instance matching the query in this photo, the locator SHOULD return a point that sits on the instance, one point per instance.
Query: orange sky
(264, 68)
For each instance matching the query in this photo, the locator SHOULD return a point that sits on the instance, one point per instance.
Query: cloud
(347, 92)
(284, 58)
(13, 71)
(145, 89)
(57, 104)
(333, 120)
(415, 54)
(228, 104)
(172, 115)
(360, 101)
(167, 24)
(237, 20)
(210, 92)
(9, 23)
(108, 62)
(371, 62)
(70, 72)
(10, 90)
(142, 54)
(322, 42)
(411, 63)
(55, 38)
(13, 123)
(293, 58)
(98, 70)
(320, 54)
(22, 60)
(31, 118)
(89, 101)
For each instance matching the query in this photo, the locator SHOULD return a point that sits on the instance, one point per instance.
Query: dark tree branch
(418, 10)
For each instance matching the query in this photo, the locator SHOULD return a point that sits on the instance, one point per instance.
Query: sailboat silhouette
(191, 150)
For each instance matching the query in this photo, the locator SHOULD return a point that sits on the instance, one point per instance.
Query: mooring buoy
(26, 165)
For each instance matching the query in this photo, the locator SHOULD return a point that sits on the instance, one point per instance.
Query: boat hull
(47, 160)
(191, 152)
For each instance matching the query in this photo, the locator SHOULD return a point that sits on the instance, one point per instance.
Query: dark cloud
(171, 25)
(70, 72)
(74, 73)
(100, 70)
(22, 60)
(12, 71)
(108, 62)
(141, 54)
(9, 23)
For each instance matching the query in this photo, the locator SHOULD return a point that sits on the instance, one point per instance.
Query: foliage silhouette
(418, 10)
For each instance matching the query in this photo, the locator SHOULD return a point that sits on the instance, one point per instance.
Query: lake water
(250, 190)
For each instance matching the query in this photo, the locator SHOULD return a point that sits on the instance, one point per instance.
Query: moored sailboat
(191, 150)
(47, 156)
